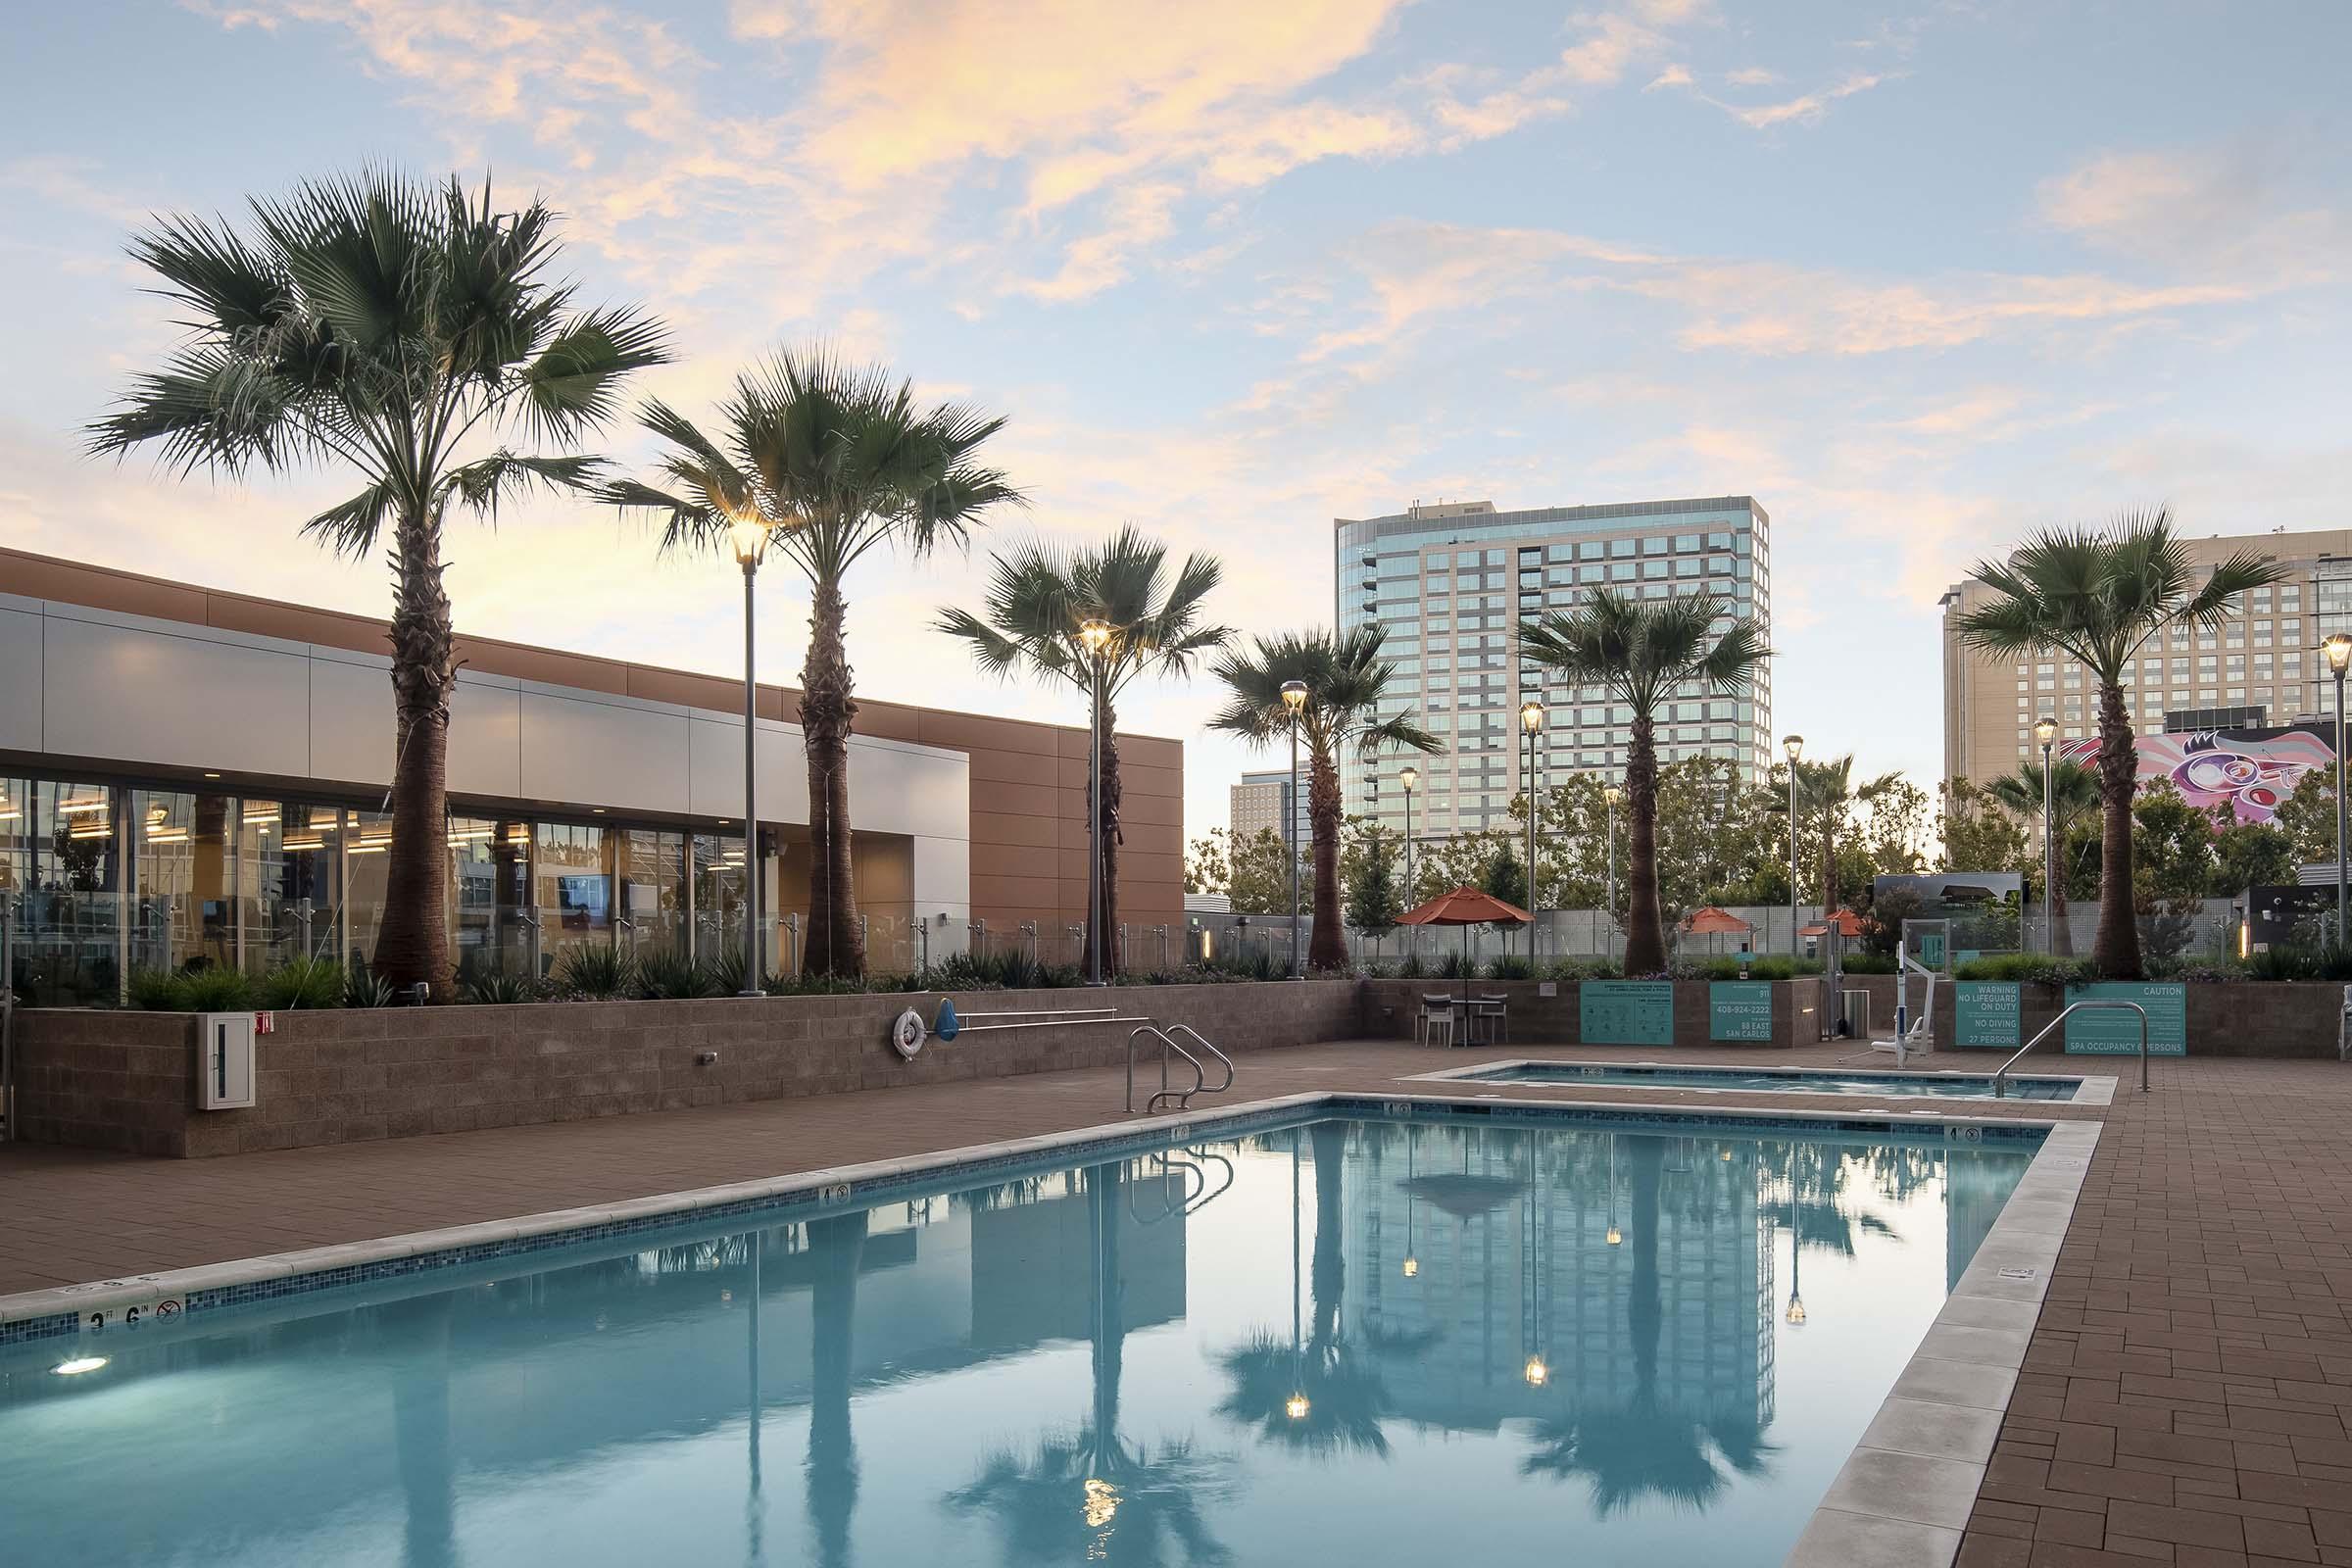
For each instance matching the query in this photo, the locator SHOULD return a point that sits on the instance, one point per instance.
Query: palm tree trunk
(1644, 936)
(1329, 950)
(838, 1245)
(1109, 809)
(2062, 940)
(412, 941)
(2116, 951)
(834, 945)
(1830, 889)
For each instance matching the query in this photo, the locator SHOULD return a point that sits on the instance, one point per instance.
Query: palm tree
(2074, 795)
(1828, 785)
(835, 459)
(1038, 598)
(398, 328)
(1346, 681)
(1643, 649)
(2097, 596)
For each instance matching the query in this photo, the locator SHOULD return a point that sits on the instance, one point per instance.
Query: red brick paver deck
(2187, 1399)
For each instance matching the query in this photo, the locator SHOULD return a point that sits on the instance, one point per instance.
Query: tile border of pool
(1902, 1496)
(2091, 1088)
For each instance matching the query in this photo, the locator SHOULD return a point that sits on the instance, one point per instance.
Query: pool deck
(2187, 1397)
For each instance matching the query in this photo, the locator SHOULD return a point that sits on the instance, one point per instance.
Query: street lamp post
(2045, 730)
(1530, 720)
(747, 532)
(1612, 793)
(2339, 649)
(1294, 698)
(1410, 777)
(1793, 746)
(1094, 633)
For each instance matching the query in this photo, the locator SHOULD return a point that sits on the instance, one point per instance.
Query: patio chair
(1434, 1011)
(1497, 1010)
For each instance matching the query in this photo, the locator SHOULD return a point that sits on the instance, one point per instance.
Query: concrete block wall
(1535, 1019)
(125, 1080)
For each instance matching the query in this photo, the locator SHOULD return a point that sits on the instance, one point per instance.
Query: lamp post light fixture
(1795, 746)
(2339, 649)
(1530, 720)
(1294, 698)
(1612, 793)
(747, 535)
(1096, 633)
(2045, 731)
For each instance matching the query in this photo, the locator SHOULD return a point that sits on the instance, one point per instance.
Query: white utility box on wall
(223, 1060)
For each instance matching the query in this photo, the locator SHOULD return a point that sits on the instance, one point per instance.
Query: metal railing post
(2001, 1077)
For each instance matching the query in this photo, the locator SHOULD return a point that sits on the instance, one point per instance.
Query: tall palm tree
(836, 459)
(1347, 682)
(1829, 786)
(402, 329)
(1643, 649)
(2074, 795)
(2096, 596)
(1038, 597)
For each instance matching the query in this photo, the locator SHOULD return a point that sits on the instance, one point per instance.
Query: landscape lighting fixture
(1536, 1372)
(1296, 1406)
(1530, 715)
(2339, 649)
(75, 1366)
(1094, 633)
(1293, 695)
(746, 534)
(1794, 744)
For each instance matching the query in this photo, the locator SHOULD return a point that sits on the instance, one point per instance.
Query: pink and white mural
(2247, 772)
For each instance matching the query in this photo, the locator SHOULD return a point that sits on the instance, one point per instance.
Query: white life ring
(908, 1035)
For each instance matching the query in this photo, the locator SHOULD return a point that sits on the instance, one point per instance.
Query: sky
(1921, 278)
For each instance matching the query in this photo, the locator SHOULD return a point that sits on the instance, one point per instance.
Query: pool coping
(2091, 1088)
(1902, 1496)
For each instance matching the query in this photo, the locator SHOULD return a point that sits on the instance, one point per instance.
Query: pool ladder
(2000, 1078)
(1180, 1097)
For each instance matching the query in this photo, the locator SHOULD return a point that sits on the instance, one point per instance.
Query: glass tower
(1450, 583)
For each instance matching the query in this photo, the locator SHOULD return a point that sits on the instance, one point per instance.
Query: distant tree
(1828, 791)
(1205, 865)
(2250, 855)
(1372, 903)
(1506, 875)
(1978, 832)
(2307, 816)
(2173, 864)
(1258, 875)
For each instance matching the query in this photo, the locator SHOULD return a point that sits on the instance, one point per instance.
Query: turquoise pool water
(1934, 1086)
(1370, 1342)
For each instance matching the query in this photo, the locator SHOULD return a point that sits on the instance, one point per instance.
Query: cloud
(2237, 210)
(1752, 77)
(1671, 77)
(1808, 110)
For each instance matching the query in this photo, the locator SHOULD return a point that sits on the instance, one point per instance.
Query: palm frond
(570, 387)
(351, 527)
(480, 485)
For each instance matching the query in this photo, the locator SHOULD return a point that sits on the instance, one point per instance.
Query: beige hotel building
(2262, 667)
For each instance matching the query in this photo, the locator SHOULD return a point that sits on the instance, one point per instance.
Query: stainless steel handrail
(2001, 1077)
(1182, 1097)
(1208, 1046)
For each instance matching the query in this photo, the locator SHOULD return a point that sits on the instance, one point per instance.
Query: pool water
(1375, 1341)
(1934, 1086)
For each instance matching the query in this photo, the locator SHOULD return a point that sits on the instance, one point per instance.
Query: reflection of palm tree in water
(1346, 1396)
(838, 1245)
(1642, 1446)
(420, 1422)
(1093, 1496)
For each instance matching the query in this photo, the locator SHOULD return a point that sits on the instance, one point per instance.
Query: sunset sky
(1918, 278)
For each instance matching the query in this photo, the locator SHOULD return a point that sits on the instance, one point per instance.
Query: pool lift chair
(1914, 1035)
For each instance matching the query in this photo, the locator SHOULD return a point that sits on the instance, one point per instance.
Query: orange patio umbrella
(1713, 921)
(1465, 906)
(1848, 923)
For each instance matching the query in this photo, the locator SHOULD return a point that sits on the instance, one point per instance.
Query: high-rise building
(1452, 583)
(2261, 667)
(1262, 800)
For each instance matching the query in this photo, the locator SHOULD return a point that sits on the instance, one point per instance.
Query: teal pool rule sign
(1739, 1010)
(2114, 1031)
(1625, 1012)
(1986, 1015)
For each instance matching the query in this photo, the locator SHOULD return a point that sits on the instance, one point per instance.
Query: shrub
(1867, 964)
(2280, 962)
(1409, 967)
(2030, 969)
(1456, 966)
(673, 976)
(598, 972)
(157, 991)
(300, 983)
(1574, 970)
(1510, 967)
(493, 990)
(362, 987)
(211, 988)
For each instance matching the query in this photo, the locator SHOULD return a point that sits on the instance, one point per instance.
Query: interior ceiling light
(91, 804)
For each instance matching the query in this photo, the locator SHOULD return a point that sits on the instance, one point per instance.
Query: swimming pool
(1369, 1337)
(1778, 1080)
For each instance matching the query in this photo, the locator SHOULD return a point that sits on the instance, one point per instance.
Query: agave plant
(364, 988)
(303, 982)
(497, 990)
(671, 976)
(597, 971)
